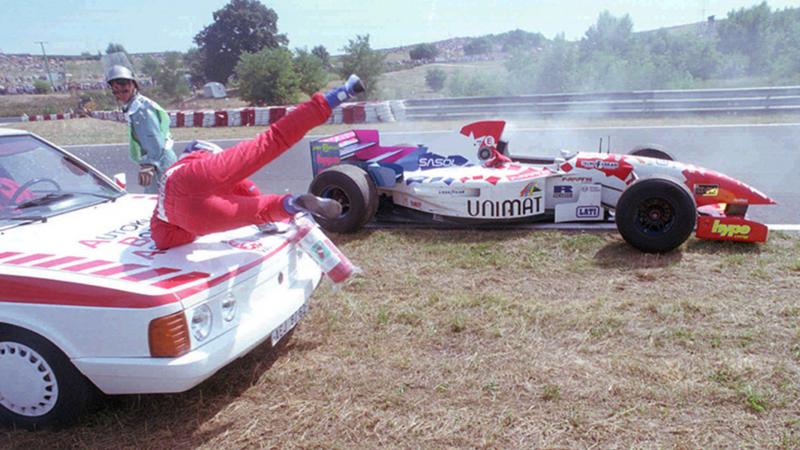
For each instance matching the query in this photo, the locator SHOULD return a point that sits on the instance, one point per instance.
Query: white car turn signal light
(168, 336)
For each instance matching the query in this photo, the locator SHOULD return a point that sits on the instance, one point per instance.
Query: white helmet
(204, 146)
(120, 73)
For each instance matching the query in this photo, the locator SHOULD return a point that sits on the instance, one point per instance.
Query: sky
(71, 27)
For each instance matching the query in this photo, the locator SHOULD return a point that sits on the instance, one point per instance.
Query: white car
(87, 301)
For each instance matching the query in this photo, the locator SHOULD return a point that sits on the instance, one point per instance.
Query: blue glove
(351, 88)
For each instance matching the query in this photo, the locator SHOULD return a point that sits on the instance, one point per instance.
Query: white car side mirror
(120, 180)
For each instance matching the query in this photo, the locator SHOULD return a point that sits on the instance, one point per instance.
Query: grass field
(410, 83)
(504, 339)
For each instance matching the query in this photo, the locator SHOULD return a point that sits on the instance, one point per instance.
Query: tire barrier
(349, 113)
(41, 117)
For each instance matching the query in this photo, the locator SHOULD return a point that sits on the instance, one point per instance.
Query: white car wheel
(29, 386)
(39, 386)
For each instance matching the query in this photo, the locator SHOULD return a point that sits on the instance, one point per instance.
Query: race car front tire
(652, 151)
(40, 387)
(656, 215)
(354, 189)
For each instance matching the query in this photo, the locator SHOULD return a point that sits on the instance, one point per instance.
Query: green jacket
(150, 139)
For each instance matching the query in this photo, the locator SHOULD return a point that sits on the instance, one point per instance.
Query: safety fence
(612, 104)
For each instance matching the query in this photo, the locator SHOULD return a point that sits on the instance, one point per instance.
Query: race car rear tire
(656, 215)
(40, 387)
(354, 189)
(651, 151)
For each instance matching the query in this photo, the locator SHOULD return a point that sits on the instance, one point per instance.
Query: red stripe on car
(87, 265)
(16, 289)
(180, 280)
(19, 289)
(146, 275)
(122, 268)
(29, 258)
(58, 261)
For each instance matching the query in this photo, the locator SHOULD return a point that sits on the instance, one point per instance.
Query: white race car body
(496, 188)
(88, 279)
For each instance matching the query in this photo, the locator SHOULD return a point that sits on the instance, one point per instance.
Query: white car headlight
(229, 308)
(201, 322)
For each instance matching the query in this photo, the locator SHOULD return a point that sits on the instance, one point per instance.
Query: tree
(310, 70)
(523, 40)
(785, 38)
(435, 78)
(322, 53)
(115, 48)
(149, 66)
(361, 60)
(195, 63)
(697, 55)
(747, 32)
(169, 77)
(558, 67)
(267, 77)
(610, 34)
(424, 51)
(241, 26)
(478, 46)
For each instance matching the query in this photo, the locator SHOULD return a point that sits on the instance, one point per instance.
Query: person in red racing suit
(206, 192)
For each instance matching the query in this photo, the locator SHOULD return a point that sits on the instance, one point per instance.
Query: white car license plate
(288, 324)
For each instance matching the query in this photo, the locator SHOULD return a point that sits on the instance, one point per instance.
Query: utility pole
(47, 65)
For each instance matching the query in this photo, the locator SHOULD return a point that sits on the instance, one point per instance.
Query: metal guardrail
(633, 103)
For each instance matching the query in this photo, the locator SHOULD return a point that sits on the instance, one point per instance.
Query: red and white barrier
(42, 117)
(349, 113)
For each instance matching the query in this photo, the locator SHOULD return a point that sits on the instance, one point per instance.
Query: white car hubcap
(28, 386)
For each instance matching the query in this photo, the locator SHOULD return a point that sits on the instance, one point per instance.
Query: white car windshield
(38, 181)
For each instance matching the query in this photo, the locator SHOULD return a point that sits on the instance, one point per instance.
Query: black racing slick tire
(354, 189)
(39, 387)
(651, 151)
(656, 215)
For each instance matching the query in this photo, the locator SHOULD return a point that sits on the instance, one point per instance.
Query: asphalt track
(766, 156)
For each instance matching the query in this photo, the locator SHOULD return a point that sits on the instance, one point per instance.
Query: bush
(424, 52)
(42, 87)
(479, 85)
(435, 78)
(267, 77)
(478, 46)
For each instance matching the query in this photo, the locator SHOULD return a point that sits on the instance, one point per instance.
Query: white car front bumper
(164, 375)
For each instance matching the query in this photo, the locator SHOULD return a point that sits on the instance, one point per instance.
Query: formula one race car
(655, 202)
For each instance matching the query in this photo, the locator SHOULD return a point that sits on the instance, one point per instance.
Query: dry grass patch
(505, 339)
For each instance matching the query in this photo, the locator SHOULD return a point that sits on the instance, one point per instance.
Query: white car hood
(108, 245)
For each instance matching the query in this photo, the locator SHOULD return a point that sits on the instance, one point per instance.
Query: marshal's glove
(352, 87)
(322, 207)
(146, 174)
